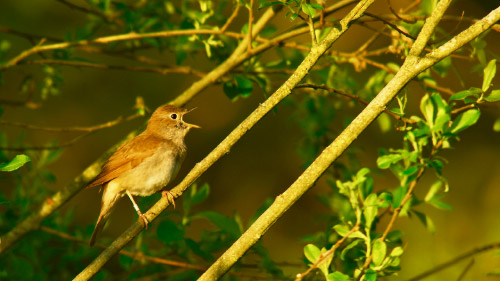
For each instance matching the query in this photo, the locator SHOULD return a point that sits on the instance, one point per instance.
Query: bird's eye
(173, 116)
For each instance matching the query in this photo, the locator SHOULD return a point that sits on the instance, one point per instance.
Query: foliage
(358, 241)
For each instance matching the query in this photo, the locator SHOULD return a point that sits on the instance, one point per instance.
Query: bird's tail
(97, 230)
(109, 198)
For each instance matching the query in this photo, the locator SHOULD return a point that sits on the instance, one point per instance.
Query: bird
(145, 164)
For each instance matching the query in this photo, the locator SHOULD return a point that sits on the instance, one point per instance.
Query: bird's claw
(170, 197)
(145, 221)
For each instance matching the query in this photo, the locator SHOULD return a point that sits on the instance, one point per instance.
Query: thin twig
(455, 260)
(356, 98)
(141, 256)
(74, 128)
(465, 270)
(327, 254)
(250, 23)
(109, 18)
(163, 71)
(230, 19)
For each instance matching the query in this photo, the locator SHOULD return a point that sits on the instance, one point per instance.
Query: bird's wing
(127, 157)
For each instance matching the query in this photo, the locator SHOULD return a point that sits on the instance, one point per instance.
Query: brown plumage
(145, 164)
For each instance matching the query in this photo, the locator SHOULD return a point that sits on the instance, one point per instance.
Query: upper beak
(191, 125)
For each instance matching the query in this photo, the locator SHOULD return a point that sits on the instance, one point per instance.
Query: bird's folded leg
(136, 207)
(170, 197)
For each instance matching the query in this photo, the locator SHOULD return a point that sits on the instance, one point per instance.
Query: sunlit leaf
(465, 120)
(338, 276)
(489, 73)
(14, 164)
(379, 250)
(493, 96)
(312, 252)
(472, 92)
(496, 125)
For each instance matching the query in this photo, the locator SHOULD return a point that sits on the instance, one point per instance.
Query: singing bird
(145, 164)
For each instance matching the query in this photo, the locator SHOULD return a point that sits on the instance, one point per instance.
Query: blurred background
(265, 161)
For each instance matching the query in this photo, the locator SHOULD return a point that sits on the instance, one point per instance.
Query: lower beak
(192, 125)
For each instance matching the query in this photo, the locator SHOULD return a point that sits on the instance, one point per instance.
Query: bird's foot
(145, 221)
(170, 197)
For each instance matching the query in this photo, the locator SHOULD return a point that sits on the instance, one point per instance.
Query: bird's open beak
(191, 125)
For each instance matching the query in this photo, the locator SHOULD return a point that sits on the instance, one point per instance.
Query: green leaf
(397, 251)
(343, 230)
(465, 120)
(439, 204)
(426, 221)
(489, 73)
(397, 196)
(370, 209)
(168, 231)
(427, 109)
(472, 92)
(433, 190)
(201, 194)
(379, 250)
(385, 161)
(226, 224)
(337, 276)
(496, 125)
(309, 10)
(312, 252)
(15, 163)
(348, 247)
(245, 86)
(384, 123)
(493, 96)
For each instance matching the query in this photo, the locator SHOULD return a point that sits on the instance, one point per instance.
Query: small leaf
(397, 196)
(343, 230)
(426, 220)
(465, 120)
(384, 123)
(309, 10)
(489, 73)
(397, 251)
(370, 209)
(312, 252)
(472, 92)
(496, 125)
(385, 161)
(379, 251)
(433, 190)
(348, 247)
(493, 96)
(427, 109)
(337, 276)
(15, 163)
(201, 195)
